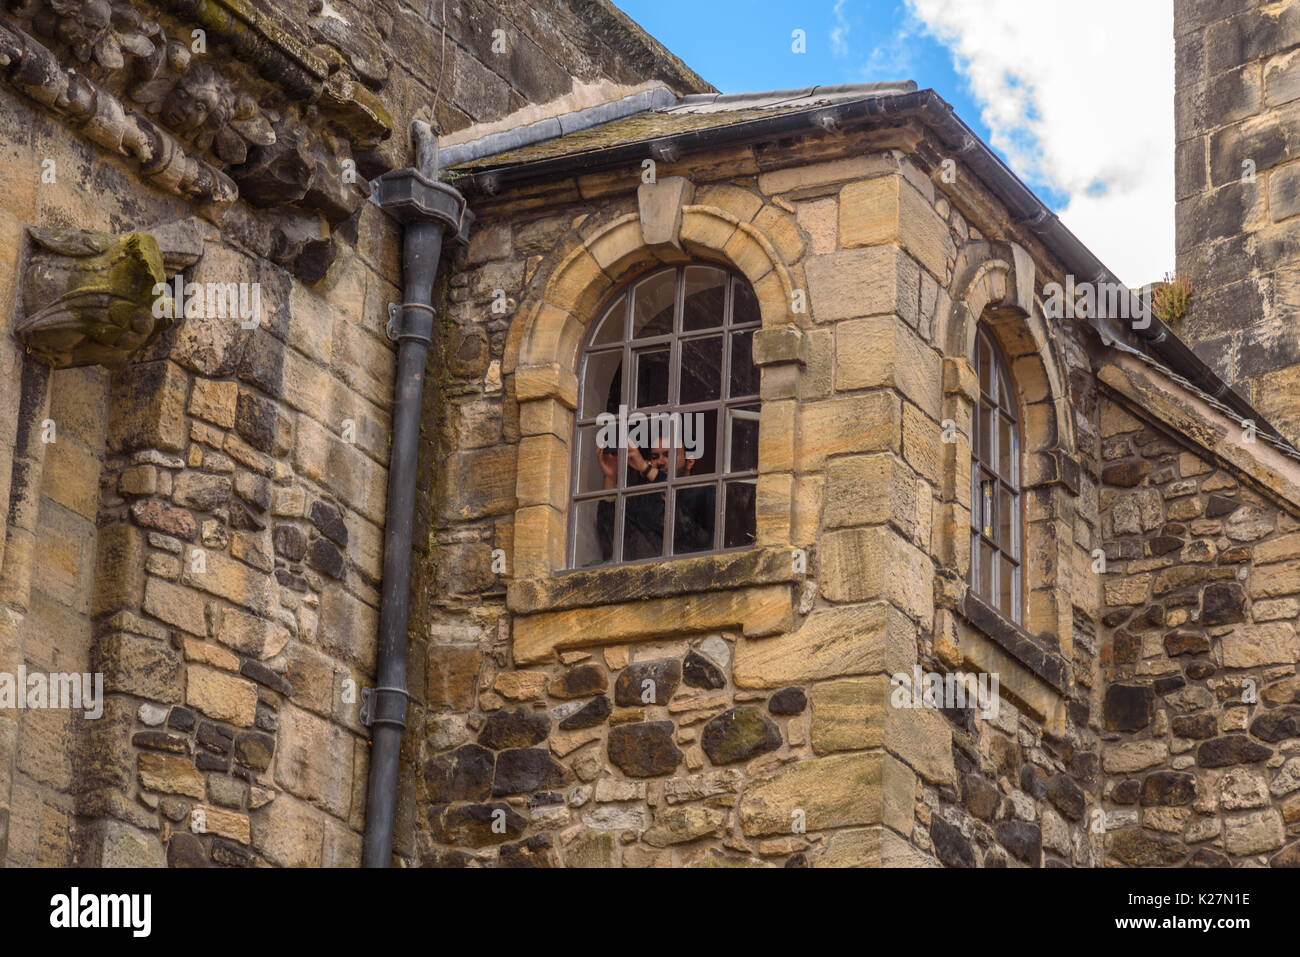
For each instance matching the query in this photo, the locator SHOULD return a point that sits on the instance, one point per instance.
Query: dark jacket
(644, 522)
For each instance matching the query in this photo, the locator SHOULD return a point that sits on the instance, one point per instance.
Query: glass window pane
(593, 533)
(1004, 397)
(643, 526)
(742, 439)
(744, 306)
(985, 362)
(613, 324)
(705, 298)
(593, 460)
(744, 376)
(602, 384)
(701, 372)
(984, 433)
(984, 586)
(1006, 448)
(653, 302)
(1006, 522)
(738, 519)
(986, 504)
(699, 440)
(1006, 589)
(651, 377)
(693, 519)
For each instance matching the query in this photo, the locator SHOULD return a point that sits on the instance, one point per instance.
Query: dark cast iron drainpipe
(427, 209)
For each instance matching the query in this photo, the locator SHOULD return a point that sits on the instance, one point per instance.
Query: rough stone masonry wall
(241, 543)
(562, 754)
(201, 533)
(1201, 709)
(1238, 194)
(51, 489)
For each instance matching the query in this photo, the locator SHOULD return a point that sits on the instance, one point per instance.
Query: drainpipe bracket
(409, 196)
(410, 320)
(384, 706)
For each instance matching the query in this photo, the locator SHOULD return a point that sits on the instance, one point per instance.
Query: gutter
(933, 112)
(427, 209)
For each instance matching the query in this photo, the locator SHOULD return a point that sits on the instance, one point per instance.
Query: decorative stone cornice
(35, 71)
(283, 133)
(92, 298)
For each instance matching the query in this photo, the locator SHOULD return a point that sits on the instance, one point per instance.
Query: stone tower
(1238, 194)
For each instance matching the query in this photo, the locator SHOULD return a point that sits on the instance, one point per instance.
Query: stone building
(905, 463)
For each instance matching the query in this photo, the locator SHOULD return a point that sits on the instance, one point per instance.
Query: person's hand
(608, 459)
(635, 459)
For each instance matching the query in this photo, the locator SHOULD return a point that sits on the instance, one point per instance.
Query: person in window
(643, 518)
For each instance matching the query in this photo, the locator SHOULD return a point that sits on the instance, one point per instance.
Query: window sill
(746, 591)
(584, 588)
(1039, 653)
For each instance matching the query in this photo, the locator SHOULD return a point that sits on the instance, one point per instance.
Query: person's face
(659, 454)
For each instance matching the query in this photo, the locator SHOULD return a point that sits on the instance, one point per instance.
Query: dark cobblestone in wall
(738, 735)
(644, 750)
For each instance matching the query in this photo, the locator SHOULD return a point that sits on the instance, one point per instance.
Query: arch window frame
(997, 483)
(746, 406)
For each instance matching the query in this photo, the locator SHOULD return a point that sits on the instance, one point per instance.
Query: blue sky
(743, 46)
(1025, 75)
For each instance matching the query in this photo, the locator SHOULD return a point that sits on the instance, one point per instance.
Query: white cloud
(840, 32)
(1082, 104)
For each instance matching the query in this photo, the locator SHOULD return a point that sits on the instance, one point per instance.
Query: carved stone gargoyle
(98, 298)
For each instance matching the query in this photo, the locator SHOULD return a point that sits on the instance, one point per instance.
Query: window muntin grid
(996, 522)
(686, 334)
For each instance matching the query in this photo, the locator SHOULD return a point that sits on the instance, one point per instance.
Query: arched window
(996, 534)
(666, 432)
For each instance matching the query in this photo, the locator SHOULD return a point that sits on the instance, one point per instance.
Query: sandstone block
(854, 283)
(868, 564)
(849, 715)
(214, 402)
(1249, 646)
(888, 209)
(866, 423)
(219, 695)
(883, 352)
(837, 791)
(831, 643)
(170, 774)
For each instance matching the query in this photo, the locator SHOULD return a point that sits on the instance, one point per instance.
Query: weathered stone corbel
(99, 298)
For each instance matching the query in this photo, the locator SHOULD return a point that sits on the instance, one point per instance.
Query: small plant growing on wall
(1169, 301)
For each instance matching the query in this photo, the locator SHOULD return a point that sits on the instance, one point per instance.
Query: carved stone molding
(90, 297)
(282, 130)
(36, 72)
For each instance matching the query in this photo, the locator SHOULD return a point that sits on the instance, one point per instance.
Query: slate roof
(669, 116)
